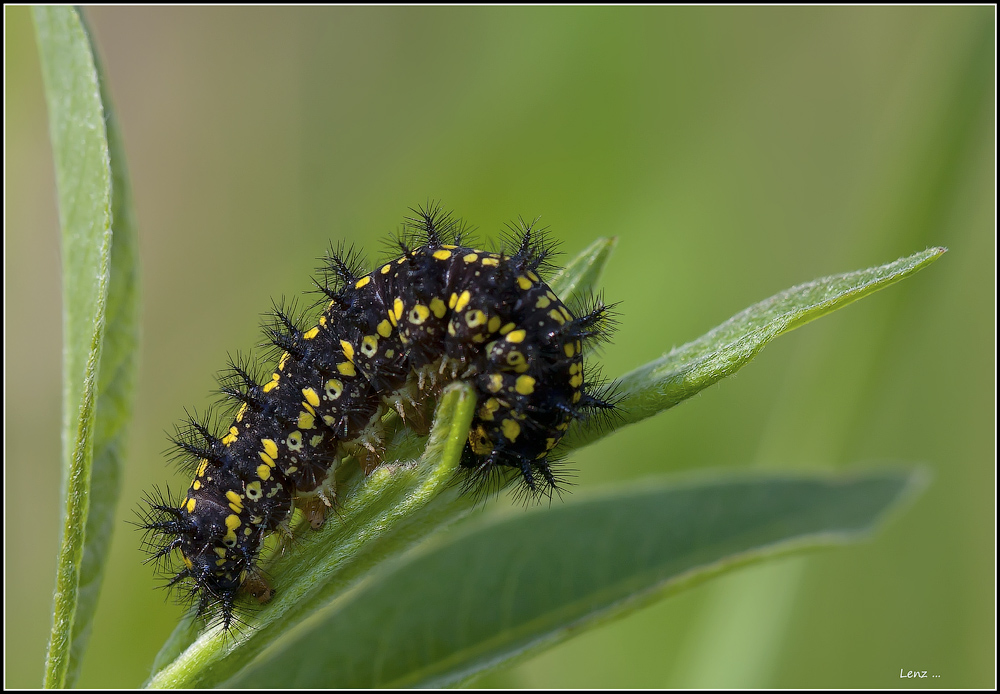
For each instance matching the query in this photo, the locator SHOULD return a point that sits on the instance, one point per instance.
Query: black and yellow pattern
(390, 338)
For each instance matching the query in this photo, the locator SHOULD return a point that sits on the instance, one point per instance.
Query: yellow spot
(369, 345)
(418, 314)
(264, 472)
(294, 441)
(576, 397)
(322, 321)
(254, 491)
(489, 407)
(555, 315)
(362, 282)
(234, 498)
(233, 521)
(574, 369)
(242, 411)
(270, 447)
(397, 309)
(576, 381)
(311, 396)
(543, 302)
(568, 349)
(438, 308)
(384, 329)
(221, 551)
(515, 358)
(386, 269)
(511, 429)
(550, 444)
(480, 442)
(463, 301)
(507, 328)
(310, 334)
(475, 318)
(330, 421)
(196, 485)
(316, 440)
(491, 261)
(347, 369)
(187, 562)
(525, 385)
(202, 467)
(191, 505)
(449, 246)
(272, 384)
(348, 349)
(494, 324)
(442, 255)
(452, 300)
(495, 384)
(306, 420)
(516, 336)
(470, 258)
(266, 458)
(524, 283)
(390, 353)
(284, 360)
(451, 329)
(533, 277)
(334, 389)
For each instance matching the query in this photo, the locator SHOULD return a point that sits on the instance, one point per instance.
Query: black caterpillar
(385, 340)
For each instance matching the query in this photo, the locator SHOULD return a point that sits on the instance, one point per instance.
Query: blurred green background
(734, 151)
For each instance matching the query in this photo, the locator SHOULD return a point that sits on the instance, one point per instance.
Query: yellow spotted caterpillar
(386, 340)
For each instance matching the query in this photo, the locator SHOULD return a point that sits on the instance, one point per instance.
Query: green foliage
(515, 585)
(99, 323)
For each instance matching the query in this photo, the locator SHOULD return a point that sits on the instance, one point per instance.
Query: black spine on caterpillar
(439, 311)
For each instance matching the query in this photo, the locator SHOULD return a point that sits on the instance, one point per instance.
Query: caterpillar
(386, 340)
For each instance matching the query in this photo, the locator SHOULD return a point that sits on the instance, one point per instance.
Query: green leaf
(513, 585)
(99, 323)
(727, 348)
(381, 515)
(582, 275)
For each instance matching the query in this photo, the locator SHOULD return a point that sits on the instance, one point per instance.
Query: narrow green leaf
(582, 275)
(724, 350)
(95, 307)
(115, 386)
(382, 515)
(514, 585)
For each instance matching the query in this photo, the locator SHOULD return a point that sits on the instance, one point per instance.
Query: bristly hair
(430, 225)
(527, 246)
